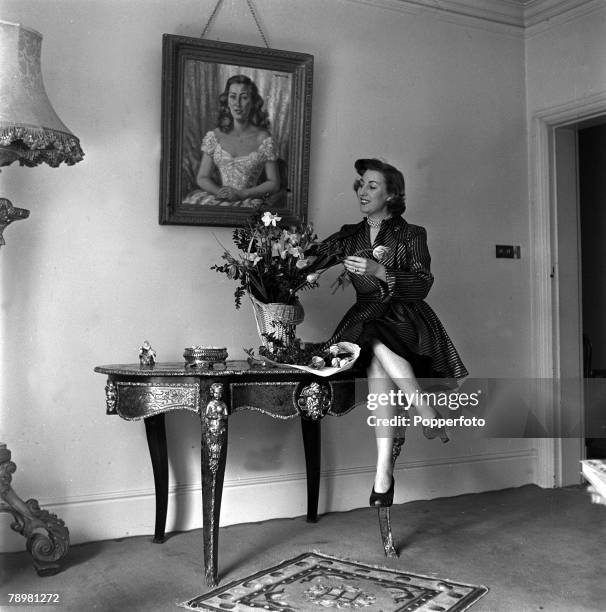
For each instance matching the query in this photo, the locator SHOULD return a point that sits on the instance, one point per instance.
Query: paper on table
(345, 347)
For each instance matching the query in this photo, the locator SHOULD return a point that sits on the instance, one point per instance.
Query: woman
(401, 337)
(240, 148)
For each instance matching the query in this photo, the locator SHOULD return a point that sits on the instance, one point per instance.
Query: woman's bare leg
(401, 373)
(380, 383)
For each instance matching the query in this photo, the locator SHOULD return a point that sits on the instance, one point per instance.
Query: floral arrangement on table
(274, 263)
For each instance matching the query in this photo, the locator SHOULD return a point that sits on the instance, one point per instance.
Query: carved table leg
(47, 536)
(214, 454)
(312, 401)
(311, 443)
(155, 429)
(384, 515)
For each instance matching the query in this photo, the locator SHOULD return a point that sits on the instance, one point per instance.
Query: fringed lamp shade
(30, 130)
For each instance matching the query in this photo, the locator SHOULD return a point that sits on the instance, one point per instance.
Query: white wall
(564, 60)
(91, 274)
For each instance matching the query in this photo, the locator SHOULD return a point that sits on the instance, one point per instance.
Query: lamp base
(46, 534)
(8, 214)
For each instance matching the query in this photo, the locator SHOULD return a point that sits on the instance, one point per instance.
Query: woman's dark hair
(258, 116)
(394, 182)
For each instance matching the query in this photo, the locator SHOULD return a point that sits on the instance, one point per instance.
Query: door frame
(545, 323)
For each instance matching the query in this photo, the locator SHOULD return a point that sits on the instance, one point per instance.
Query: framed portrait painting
(236, 124)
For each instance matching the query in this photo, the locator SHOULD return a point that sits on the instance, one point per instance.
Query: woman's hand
(230, 194)
(361, 265)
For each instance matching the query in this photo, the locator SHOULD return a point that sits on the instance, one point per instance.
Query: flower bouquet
(272, 266)
(274, 263)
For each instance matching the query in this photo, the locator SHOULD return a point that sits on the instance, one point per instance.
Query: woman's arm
(330, 251)
(413, 284)
(409, 285)
(207, 166)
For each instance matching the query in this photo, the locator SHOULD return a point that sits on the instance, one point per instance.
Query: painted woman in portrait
(239, 161)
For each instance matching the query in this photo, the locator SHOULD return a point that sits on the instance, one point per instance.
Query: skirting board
(131, 513)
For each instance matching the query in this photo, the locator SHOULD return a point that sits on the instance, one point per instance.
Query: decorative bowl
(204, 356)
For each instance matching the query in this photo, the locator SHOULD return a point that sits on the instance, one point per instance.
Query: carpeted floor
(535, 549)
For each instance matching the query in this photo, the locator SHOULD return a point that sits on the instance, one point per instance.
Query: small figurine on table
(147, 355)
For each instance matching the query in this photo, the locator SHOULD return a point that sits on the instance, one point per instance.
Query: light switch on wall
(507, 251)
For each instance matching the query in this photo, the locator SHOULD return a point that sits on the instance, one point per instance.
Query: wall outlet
(507, 251)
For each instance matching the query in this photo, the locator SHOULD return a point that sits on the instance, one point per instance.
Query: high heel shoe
(433, 431)
(382, 500)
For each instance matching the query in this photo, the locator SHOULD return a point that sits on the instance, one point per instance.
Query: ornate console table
(137, 392)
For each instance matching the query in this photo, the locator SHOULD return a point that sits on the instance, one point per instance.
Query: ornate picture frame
(194, 75)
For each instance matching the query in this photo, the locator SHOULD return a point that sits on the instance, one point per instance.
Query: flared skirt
(410, 329)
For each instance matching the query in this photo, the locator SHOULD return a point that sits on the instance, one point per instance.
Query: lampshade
(30, 130)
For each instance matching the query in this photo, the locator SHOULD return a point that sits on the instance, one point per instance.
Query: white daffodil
(253, 258)
(270, 219)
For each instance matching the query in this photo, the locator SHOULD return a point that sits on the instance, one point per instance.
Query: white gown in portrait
(239, 172)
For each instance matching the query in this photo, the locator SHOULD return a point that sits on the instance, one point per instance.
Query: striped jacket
(396, 306)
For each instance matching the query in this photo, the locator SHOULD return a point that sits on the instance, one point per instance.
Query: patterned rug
(313, 581)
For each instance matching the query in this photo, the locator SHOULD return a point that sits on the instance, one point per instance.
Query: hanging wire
(211, 18)
(253, 12)
(256, 18)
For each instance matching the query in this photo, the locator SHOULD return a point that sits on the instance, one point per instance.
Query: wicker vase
(278, 320)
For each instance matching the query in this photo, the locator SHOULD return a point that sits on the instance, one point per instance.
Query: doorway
(556, 280)
(579, 285)
(592, 205)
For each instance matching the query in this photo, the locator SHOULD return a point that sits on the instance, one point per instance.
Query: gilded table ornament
(216, 414)
(141, 400)
(110, 397)
(272, 398)
(147, 355)
(313, 400)
(214, 454)
(205, 356)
